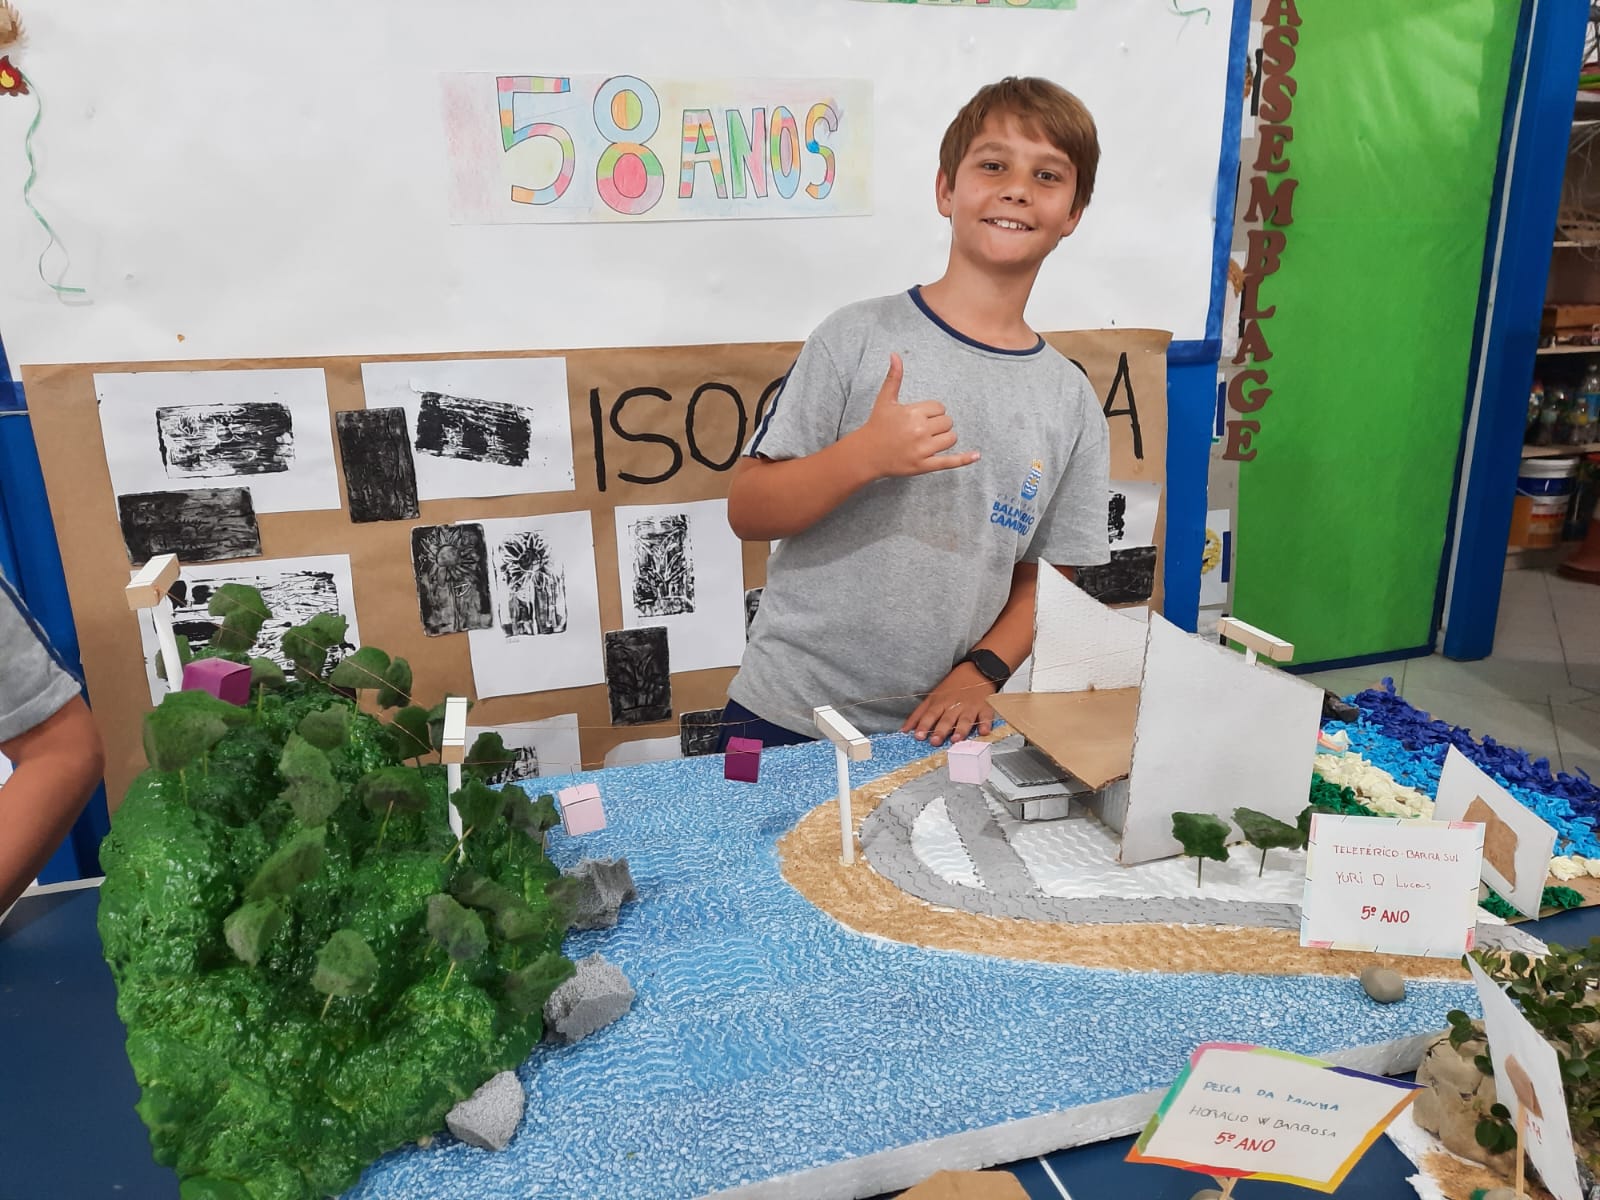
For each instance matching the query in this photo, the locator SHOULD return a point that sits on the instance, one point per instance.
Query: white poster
(545, 630)
(1391, 886)
(481, 426)
(681, 567)
(1517, 843)
(1527, 1077)
(293, 589)
(267, 431)
(535, 748)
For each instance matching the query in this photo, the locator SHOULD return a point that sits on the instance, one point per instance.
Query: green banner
(1342, 510)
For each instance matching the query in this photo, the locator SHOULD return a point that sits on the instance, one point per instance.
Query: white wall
(268, 180)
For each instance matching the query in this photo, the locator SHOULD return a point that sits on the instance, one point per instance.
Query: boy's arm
(776, 498)
(58, 764)
(959, 705)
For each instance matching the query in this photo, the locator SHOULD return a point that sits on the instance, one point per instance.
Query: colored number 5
(515, 129)
(626, 113)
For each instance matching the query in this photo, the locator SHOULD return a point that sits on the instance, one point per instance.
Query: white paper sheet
(548, 747)
(1214, 558)
(481, 427)
(1079, 643)
(1132, 522)
(681, 567)
(1516, 846)
(644, 750)
(266, 430)
(1534, 1089)
(546, 631)
(1214, 734)
(293, 589)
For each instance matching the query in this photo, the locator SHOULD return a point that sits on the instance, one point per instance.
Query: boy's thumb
(889, 393)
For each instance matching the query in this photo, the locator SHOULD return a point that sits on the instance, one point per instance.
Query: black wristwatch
(990, 665)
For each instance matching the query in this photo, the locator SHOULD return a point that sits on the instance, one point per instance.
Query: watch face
(990, 665)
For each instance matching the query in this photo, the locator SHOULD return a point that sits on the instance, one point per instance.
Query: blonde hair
(1043, 108)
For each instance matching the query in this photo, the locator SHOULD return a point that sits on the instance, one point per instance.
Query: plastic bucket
(1547, 476)
(1546, 516)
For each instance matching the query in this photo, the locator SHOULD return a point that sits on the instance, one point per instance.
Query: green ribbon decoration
(27, 188)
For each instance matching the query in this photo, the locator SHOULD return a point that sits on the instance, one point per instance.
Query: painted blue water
(768, 1039)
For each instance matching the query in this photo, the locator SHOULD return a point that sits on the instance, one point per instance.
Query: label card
(1247, 1112)
(1517, 843)
(1391, 885)
(1528, 1063)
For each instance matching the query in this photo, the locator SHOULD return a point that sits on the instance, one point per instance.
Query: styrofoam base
(892, 1170)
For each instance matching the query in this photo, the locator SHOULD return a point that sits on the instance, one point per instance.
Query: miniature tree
(346, 966)
(1266, 833)
(389, 788)
(1202, 836)
(458, 930)
(410, 726)
(487, 758)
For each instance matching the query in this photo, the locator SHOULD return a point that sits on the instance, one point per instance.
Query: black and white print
(1129, 578)
(1131, 513)
(535, 748)
(452, 569)
(638, 675)
(752, 604)
(533, 585)
(699, 731)
(545, 632)
(663, 565)
(293, 589)
(178, 431)
(379, 477)
(198, 526)
(681, 567)
(477, 431)
(218, 441)
(481, 427)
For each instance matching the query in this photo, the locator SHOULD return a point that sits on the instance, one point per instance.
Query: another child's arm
(776, 498)
(58, 764)
(959, 703)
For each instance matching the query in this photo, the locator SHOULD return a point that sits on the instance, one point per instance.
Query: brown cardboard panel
(967, 1185)
(1087, 733)
(650, 425)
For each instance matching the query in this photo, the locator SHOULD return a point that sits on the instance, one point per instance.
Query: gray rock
(593, 998)
(489, 1117)
(606, 885)
(1207, 1194)
(1383, 985)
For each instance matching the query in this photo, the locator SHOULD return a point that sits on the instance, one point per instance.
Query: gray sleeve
(33, 684)
(807, 414)
(1072, 531)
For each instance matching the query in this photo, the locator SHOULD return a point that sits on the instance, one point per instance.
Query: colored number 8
(629, 175)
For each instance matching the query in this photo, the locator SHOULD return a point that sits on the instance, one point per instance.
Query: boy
(47, 733)
(915, 506)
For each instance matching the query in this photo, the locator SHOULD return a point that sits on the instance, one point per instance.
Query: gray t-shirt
(879, 599)
(34, 686)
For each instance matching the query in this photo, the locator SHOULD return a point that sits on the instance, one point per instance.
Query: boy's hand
(908, 439)
(957, 707)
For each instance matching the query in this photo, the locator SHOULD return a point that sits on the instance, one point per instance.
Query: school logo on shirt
(1030, 485)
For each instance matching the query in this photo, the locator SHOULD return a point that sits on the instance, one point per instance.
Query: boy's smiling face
(1011, 201)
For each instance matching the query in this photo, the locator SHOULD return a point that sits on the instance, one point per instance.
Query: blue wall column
(29, 557)
(1538, 123)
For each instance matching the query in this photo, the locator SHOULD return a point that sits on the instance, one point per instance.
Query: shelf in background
(1560, 451)
(1543, 350)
